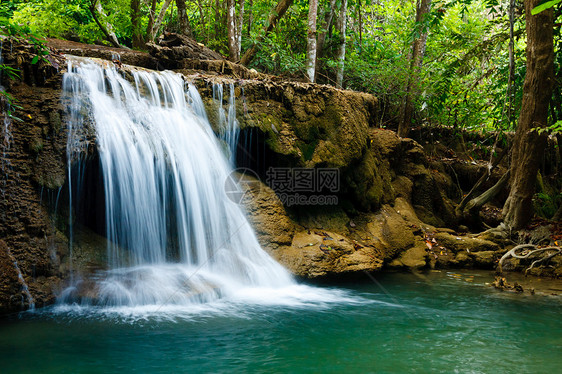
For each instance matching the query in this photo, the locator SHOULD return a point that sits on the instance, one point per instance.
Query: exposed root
(524, 251)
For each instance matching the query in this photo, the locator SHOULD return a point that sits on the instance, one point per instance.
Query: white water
(23, 283)
(228, 125)
(164, 172)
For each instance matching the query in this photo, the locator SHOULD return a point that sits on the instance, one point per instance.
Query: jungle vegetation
(493, 66)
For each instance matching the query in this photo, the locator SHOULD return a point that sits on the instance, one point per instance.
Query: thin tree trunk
(326, 24)
(183, 19)
(311, 40)
(274, 17)
(233, 53)
(511, 77)
(359, 15)
(205, 34)
(250, 17)
(217, 19)
(138, 40)
(99, 16)
(528, 145)
(159, 19)
(418, 49)
(239, 27)
(341, 50)
(151, 16)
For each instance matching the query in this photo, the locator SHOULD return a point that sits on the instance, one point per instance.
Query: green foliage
(553, 129)
(546, 205)
(463, 81)
(72, 19)
(10, 29)
(544, 6)
(283, 52)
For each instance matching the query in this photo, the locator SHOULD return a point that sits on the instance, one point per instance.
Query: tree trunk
(231, 25)
(234, 29)
(183, 19)
(99, 16)
(528, 145)
(326, 24)
(511, 78)
(239, 27)
(158, 22)
(418, 50)
(274, 17)
(138, 40)
(341, 50)
(311, 40)
(360, 26)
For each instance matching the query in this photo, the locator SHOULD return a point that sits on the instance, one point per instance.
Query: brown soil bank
(384, 204)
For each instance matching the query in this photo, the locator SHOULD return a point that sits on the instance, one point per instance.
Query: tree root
(524, 251)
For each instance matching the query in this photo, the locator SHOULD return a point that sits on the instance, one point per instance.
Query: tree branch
(483, 178)
(99, 15)
(274, 17)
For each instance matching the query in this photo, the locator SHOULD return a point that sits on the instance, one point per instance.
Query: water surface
(442, 322)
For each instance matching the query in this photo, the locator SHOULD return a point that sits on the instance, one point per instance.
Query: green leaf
(539, 8)
(34, 60)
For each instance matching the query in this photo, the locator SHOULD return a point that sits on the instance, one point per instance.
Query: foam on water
(245, 303)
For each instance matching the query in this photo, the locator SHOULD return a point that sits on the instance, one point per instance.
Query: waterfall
(174, 236)
(228, 125)
(24, 286)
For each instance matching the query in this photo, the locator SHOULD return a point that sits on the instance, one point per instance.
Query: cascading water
(228, 125)
(174, 235)
(24, 286)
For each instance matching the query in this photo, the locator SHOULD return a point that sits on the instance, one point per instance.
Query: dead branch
(491, 166)
(488, 195)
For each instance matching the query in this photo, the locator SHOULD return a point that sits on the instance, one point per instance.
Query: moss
(36, 146)
(55, 122)
(308, 149)
(51, 181)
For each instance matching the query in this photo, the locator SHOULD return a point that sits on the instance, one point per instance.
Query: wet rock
(412, 259)
(465, 244)
(125, 56)
(267, 214)
(391, 230)
(306, 252)
(320, 254)
(485, 259)
(463, 259)
(10, 287)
